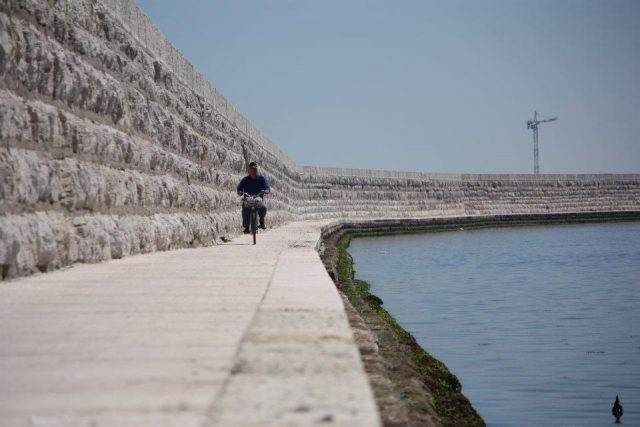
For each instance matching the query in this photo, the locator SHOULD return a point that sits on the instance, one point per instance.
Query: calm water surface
(541, 324)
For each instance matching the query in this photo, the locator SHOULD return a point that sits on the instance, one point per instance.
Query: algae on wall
(441, 395)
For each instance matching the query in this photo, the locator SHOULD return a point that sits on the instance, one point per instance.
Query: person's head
(253, 169)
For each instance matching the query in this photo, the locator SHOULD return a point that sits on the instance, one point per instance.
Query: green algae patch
(451, 406)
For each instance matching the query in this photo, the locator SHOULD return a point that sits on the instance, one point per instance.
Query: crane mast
(533, 125)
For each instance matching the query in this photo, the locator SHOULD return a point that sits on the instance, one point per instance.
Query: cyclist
(253, 184)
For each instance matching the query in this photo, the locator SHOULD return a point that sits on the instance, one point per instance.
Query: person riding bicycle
(253, 184)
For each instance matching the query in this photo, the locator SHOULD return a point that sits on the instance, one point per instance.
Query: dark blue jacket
(253, 186)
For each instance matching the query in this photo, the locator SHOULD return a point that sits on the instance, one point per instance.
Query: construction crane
(533, 125)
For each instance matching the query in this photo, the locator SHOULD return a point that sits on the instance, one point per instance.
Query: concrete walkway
(234, 334)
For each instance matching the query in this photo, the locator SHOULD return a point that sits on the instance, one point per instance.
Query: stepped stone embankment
(114, 144)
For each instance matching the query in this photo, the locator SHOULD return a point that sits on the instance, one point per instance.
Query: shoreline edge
(409, 384)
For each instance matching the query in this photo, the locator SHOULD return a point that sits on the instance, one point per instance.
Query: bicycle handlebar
(260, 194)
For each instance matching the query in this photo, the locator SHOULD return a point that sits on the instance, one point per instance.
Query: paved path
(234, 334)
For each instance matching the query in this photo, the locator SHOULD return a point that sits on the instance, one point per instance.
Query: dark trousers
(246, 214)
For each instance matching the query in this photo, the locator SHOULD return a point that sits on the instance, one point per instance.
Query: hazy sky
(440, 86)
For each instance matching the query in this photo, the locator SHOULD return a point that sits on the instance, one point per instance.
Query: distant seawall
(113, 144)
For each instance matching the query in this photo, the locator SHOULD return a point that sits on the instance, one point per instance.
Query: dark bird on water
(617, 410)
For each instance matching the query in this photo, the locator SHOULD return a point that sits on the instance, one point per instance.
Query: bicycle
(253, 202)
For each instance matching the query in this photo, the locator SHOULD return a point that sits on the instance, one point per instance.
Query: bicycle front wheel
(254, 224)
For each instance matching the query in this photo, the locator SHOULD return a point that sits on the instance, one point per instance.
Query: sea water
(541, 324)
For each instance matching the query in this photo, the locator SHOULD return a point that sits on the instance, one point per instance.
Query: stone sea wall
(113, 144)
(383, 194)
